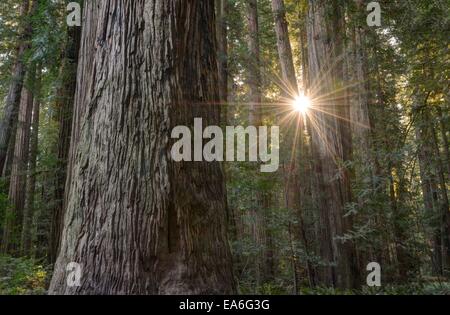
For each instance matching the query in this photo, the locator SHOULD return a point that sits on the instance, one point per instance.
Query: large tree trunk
(64, 104)
(17, 187)
(9, 119)
(137, 222)
(331, 143)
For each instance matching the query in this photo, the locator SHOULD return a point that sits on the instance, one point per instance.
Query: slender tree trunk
(260, 233)
(64, 104)
(284, 49)
(17, 188)
(432, 176)
(293, 191)
(254, 64)
(31, 181)
(331, 143)
(9, 119)
(137, 222)
(222, 48)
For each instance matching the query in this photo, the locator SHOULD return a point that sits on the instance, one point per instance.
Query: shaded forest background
(364, 173)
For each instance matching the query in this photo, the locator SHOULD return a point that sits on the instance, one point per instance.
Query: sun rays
(319, 109)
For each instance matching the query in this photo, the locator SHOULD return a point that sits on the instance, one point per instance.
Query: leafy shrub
(21, 276)
(437, 288)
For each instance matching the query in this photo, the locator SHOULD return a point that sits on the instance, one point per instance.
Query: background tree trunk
(260, 234)
(31, 181)
(284, 49)
(11, 110)
(222, 57)
(331, 142)
(17, 187)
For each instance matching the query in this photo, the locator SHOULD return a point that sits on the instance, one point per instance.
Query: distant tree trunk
(137, 222)
(295, 166)
(17, 187)
(284, 49)
(444, 131)
(331, 143)
(260, 233)
(254, 64)
(11, 110)
(64, 104)
(432, 176)
(31, 181)
(222, 48)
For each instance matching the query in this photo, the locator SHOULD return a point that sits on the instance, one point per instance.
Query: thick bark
(26, 237)
(64, 104)
(137, 222)
(13, 223)
(331, 144)
(9, 119)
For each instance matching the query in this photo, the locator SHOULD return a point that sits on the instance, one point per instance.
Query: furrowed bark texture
(137, 222)
(331, 143)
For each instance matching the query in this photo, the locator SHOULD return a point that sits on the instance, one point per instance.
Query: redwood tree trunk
(13, 223)
(331, 143)
(260, 234)
(137, 222)
(26, 238)
(222, 48)
(11, 110)
(284, 49)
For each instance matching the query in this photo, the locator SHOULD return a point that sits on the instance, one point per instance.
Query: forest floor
(25, 276)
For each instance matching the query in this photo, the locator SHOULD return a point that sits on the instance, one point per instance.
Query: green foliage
(22, 276)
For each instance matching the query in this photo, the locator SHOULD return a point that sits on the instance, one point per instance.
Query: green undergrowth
(22, 276)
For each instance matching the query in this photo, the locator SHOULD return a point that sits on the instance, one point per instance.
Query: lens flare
(302, 104)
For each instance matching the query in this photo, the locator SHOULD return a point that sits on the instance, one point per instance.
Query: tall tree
(295, 168)
(290, 85)
(264, 269)
(11, 110)
(137, 222)
(222, 48)
(17, 188)
(434, 198)
(26, 236)
(331, 142)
